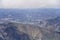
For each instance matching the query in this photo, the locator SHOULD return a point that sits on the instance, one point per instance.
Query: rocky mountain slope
(19, 31)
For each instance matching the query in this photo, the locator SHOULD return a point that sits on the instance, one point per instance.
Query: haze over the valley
(29, 4)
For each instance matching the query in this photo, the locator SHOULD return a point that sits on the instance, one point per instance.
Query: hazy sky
(29, 3)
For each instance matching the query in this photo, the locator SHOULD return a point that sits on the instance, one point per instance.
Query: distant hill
(33, 14)
(52, 24)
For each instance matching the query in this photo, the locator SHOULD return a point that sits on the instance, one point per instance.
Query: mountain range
(29, 24)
